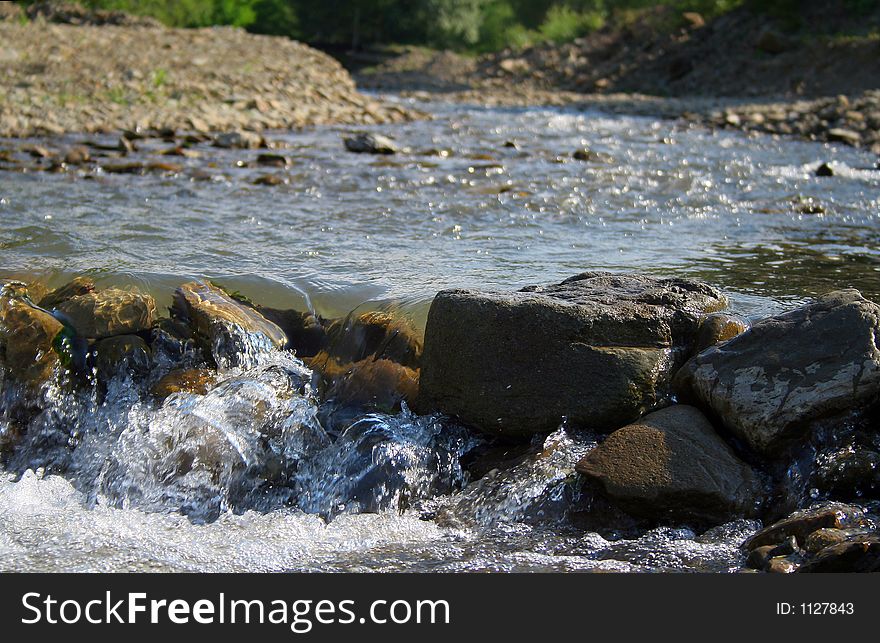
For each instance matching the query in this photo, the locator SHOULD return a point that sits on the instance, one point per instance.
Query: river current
(488, 198)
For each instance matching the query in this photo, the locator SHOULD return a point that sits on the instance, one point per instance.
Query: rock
(842, 135)
(375, 335)
(769, 383)
(190, 380)
(597, 349)
(222, 325)
(377, 383)
(77, 155)
(822, 538)
(849, 473)
(273, 160)
(79, 286)
(31, 347)
(268, 179)
(671, 465)
(781, 565)
(128, 353)
(803, 523)
(370, 144)
(109, 312)
(718, 328)
(760, 556)
(305, 332)
(240, 140)
(693, 19)
(825, 170)
(860, 555)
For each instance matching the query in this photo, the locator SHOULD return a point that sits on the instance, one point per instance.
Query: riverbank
(741, 70)
(60, 78)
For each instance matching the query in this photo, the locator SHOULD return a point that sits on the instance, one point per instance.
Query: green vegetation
(464, 25)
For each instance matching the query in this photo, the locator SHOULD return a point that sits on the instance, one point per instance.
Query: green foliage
(564, 23)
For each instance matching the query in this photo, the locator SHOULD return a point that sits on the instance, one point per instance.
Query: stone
(375, 335)
(128, 353)
(781, 565)
(78, 286)
(718, 328)
(842, 135)
(825, 169)
(269, 179)
(240, 140)
(377, 383)
(77, 155)
(804, 522)
(304, 330)
(273, 160)
(850, 473)
(760, 556)
(772, 42)
(822, 538)
(190, 380)
(671, 465)
(596, 350)
(221, 324)
(860, 555)
(109, 312)
(370, 144)
(30, 341)
(768, 384)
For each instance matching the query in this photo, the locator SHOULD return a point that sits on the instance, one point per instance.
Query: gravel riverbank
(60, 78)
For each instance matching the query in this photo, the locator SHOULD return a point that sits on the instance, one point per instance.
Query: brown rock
(803, 523)
(672, 465)
(191, 380)
(109, 312)
(29, 341)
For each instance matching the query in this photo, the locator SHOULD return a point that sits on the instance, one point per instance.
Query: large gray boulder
(768, 384)
(672, 465)
(597, 349)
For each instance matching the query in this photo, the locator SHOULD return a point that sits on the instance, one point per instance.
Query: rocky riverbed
(85, 78)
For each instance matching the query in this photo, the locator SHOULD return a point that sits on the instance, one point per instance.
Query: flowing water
(247, 477)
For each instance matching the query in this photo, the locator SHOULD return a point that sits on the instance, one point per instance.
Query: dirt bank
(58, 78)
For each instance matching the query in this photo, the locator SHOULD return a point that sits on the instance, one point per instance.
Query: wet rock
(825, 169)
(597, 349)
(191, 380)
(803, 523)
(109, 312)
(376, 383)
(31, 341)
(269, 179)
(222, 324)
(305, 331)
(768, 384)
(759, 557)
(76, 287)
(860, 555)
(77, 155)
(121, 354)
(849, 473)
(239, 140)
(273, 160)
(718, 328)
(672, 465)
(842, 135)
(822, 538)
(370, 144)
(781, 565)
(376, 335)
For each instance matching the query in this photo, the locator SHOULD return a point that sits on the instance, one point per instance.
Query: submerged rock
(78, 286)
(803, 523)
(375, 335)
(221, 324)
(597, 349)
(31, 340)
(768, 384)
(109, 312)
(304, 331)
(190, 380)
(370, 144)
(128, 353)
(240, 139)
(718, 328)
(672, 465)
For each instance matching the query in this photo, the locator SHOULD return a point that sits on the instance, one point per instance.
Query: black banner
(435, 607)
